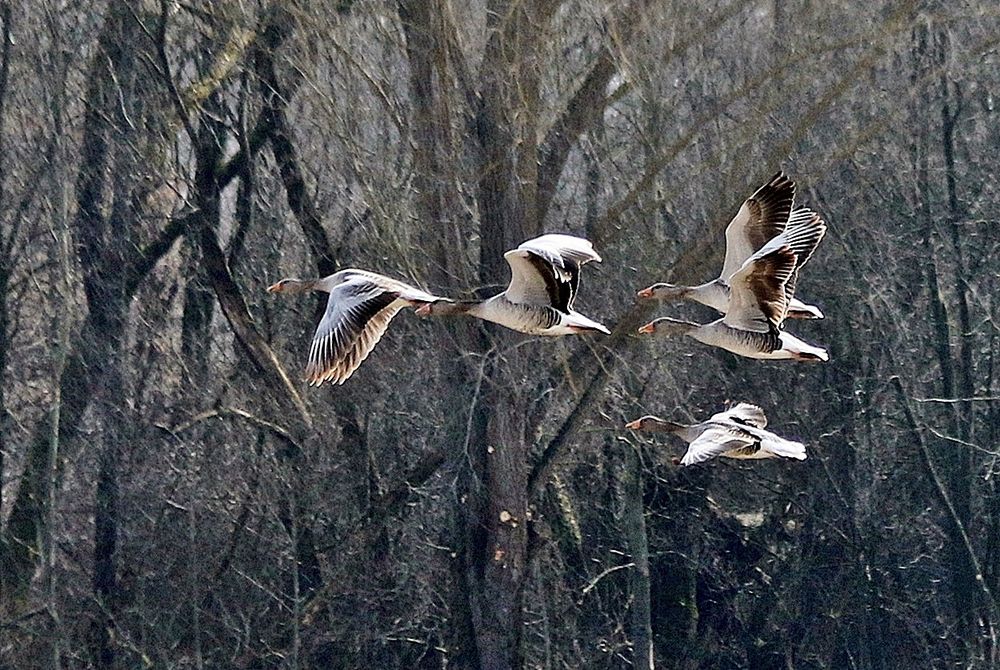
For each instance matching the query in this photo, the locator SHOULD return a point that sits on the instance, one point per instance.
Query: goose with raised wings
(759, 294)
(763, 216)
(545, 276)
(738, 432)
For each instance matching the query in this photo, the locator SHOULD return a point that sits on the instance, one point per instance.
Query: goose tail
(779, 446)
(580, 323)
(800, 310)
(802, 351)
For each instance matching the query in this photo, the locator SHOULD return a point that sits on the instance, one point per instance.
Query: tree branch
(387, 505)
(275, 102)
(226, 412)
(945, 499)
(235, 309)
(589, 101)
(146, 258)
(621, 342)
(605, 230)
(161, 52)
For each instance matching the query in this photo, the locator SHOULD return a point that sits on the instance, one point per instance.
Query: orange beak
(648, 329)
(634, 425)
(274, 288)
(645, 293)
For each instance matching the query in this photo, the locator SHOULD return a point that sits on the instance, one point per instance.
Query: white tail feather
(800, 349)
(577, 320)
(803, 311)
(779, 446)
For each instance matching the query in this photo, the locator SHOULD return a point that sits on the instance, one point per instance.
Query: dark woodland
(173, 495)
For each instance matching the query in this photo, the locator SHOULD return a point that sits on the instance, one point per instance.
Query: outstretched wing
(757, 298)
(546, 270)
(762, 216)
(744, 413)
(358, 313)
(716, 440)
(805, 231)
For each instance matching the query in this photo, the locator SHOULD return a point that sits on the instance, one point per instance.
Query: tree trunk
(964, 591)
(106, 515)
(500, 561)
(641, 628)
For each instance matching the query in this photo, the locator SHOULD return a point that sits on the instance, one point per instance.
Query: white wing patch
(545, 270)
(743, 412)
(714, 441)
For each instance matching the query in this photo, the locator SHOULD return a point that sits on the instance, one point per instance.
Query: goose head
(663, 291)
(667, 326)
(292, 285)
(654, 424)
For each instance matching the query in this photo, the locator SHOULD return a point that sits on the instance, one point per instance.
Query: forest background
(171, 494)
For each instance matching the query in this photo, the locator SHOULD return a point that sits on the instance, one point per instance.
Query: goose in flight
(358, 311)
(764, 215)
(545, 276)
(759, 294)
(539, 301)
(738, 432)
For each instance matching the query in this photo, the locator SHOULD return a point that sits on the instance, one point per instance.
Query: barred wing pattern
(357, 315)
(761, 217)
(805, 231)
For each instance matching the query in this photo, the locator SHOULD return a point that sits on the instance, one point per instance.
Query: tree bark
(6, 243)
(501, 560)
(641, 627)
(957, 474)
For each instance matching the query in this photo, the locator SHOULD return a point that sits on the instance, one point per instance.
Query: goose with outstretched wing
(545, 276)
(759, 295)
(738, 432)
(358, 312)
(763, 216)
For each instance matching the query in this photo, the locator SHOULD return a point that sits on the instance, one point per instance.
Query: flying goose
(738, 432)
(759, 294)
(762, 216)
(539, 301)
(545, 276)
(358, 311)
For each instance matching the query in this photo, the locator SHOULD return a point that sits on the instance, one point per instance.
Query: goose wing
(762, 216)
(744, 413)
(358, 312)
(716, 440)
(546, 270)
(805, 231)
(757, 298)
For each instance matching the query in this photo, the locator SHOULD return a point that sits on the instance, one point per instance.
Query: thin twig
(589, 587)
